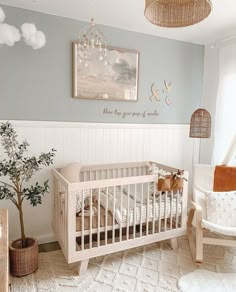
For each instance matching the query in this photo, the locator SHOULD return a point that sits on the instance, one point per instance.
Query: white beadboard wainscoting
(91, 143)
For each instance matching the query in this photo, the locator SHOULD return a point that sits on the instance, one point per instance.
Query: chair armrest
(196, 206)
(198, 210)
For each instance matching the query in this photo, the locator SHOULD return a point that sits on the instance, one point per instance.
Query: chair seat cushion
(231, 231)
(221, 208)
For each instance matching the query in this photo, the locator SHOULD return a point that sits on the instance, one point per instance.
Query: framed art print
(115, 77)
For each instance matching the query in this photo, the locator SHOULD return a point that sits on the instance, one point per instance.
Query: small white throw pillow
(221, 208)
(71, 172)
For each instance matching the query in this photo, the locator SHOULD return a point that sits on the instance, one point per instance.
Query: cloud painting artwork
(113, 78)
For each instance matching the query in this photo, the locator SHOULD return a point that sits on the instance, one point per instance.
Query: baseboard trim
(46, 238)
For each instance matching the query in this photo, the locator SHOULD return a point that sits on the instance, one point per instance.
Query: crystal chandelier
(177, 13)
(92, 43)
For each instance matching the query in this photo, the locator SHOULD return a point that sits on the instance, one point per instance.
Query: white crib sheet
(128, 210)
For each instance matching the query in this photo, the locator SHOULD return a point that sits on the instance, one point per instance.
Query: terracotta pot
(23, 261)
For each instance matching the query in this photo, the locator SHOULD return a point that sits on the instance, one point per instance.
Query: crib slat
(63, 214)
(113, 217)
(106, 216)
(54, 201)
(66, 217)
(147, 216)
(165, 220)
(60, 214)
(91, 218)
(177, 209)
(154, 209)
(56, 195)
(83, 220)
(99, 222)
(159, 210)
(171, 210)
(181, 209)
(128, 215)
(121, 206)
(65, 197)
(135, 197)
(60, 224)
(60, 203)
(58, 208)
(141, 211)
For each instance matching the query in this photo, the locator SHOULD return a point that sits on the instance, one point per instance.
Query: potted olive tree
(16, 170)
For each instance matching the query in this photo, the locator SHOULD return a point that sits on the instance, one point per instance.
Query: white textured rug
(150, 268)
(202, 280)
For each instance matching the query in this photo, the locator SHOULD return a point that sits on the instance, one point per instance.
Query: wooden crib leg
(199, 245)
(174, 243)
(199, 237)
(83, 265)
(190, 233)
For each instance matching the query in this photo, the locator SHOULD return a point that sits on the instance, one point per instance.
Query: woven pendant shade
(177, 13)
(200, 124)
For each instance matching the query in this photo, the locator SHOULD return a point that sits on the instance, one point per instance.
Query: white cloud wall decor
(2, 15)
(9, 34)
(33, 37)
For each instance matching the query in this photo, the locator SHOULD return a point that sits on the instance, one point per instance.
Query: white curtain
(225, 118)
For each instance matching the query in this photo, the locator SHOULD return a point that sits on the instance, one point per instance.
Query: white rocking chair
(203, 181)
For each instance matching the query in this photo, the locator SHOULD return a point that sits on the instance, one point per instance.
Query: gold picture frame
(116, 78)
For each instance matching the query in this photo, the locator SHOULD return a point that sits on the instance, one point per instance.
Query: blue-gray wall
(37, 84)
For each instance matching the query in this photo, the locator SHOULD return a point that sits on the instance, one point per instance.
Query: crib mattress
(141, 214)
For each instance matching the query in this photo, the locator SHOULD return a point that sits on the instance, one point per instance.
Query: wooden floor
(49, 246)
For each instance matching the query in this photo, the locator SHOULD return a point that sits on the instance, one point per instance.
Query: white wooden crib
(123, 211)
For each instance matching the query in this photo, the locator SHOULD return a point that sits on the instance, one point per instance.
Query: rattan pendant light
(177, 13)
(200, 124)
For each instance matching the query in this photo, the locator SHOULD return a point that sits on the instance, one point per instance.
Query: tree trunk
(22, 228)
